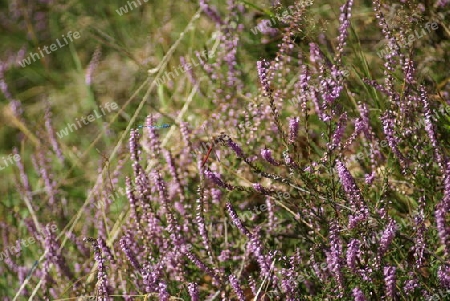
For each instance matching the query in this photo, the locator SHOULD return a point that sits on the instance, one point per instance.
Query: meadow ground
(327, 127)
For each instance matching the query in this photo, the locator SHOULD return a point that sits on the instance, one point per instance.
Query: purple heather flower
(236, 148)
(54, 255)
(258, 187)
(105, 249)
(209, 68)
(389, 280)
(152, 137)
(388, 128)
(430, 128)
(387, 237)
(290, 276)
(444, 276)
(419, 239)
(394, 52)
(188, 69)
(211, 12)
(200, 219)
(409, 71)
(314, 52)
(288, 284)
(358, 294)
(334, 260)
(353, 252)
(47, 176)
(267, 155)
(193, 291)
(236, 221)
(23, 177)
(263, 67)
(368, 178)
(216, 179)
(314, 94)
(293, 129)
(216, 195)
(442, 210)
(363, 124)
(344, 18)
(271, 215)
(93, 65)
(184, 130)
(173, 172)
(302, 88)
(443, 230)
(264, 262)
(81, 246)
(230, 46)
(173, 226)
(446, 198)
(264, 26)
(143, 194)
(288, 160)
(329, 89)
(151, 275)
(135, 150)
(101, 276)
(163, 294)
(13, 59)
(202, 266)
(224, 255)
(442, 3)
(392, 42)
(133, 202)
(252, 284)
(377, 86)
(51, 134)
(118, 172)
(354, 195)
(339, 132)
(15, 104)
(236, 287)
(410, 284)
(12, 265)
(129, 254)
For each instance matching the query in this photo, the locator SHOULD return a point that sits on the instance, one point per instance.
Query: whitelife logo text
(124, 9)
(90, 118)
(10, 158)
(53, 47)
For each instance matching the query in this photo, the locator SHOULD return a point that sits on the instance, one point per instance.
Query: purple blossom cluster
(328, 228)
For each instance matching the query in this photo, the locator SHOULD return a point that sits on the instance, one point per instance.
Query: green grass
(153, 37)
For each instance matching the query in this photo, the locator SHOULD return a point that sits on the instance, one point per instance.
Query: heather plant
(285, 111)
